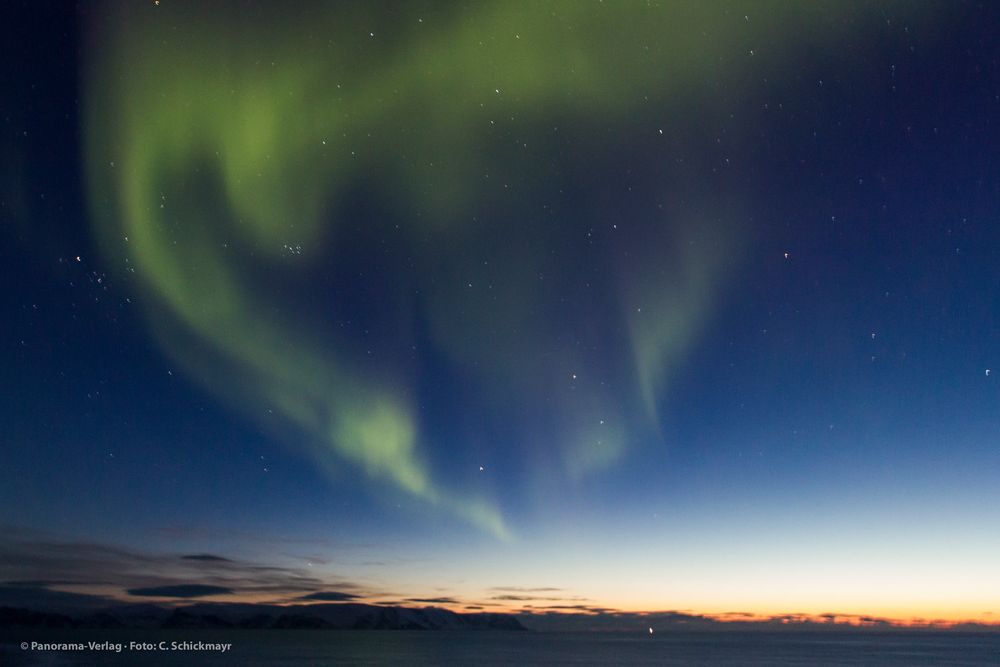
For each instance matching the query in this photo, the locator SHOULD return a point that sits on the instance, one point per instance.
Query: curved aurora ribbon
(219, 142)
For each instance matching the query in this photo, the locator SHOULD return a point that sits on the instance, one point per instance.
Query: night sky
(557, 306)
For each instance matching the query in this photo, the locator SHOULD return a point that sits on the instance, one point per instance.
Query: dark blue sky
(678, 309)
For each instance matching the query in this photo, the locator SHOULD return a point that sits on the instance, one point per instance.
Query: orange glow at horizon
(896, 616)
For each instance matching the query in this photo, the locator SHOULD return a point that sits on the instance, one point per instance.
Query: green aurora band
(220, 144)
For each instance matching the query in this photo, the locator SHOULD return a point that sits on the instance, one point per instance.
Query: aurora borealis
(554, 306)
(247, 164)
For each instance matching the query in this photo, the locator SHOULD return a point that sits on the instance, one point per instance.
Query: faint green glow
(218, 139)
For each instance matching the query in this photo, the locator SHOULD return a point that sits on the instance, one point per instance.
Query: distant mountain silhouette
(339, 616)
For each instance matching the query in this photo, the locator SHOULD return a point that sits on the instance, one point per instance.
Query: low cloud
(42, 598)
(513, 598)
(585, 608)
(181, 591)
(537, 598)
(206, 558)
(43, 568)
(328, 596)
